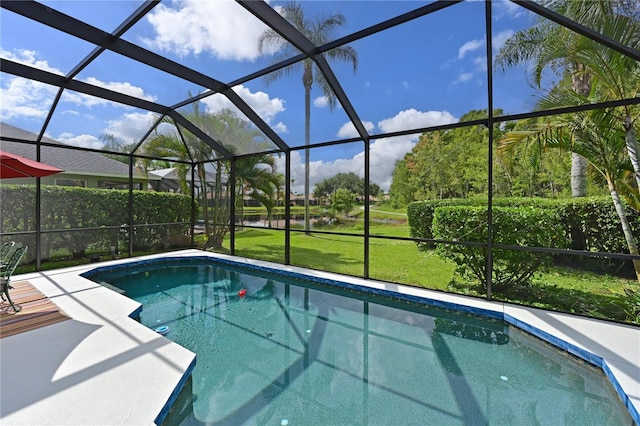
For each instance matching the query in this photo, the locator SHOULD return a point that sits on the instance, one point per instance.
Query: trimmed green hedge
(517, 226)
(590, 223)
(73, 208)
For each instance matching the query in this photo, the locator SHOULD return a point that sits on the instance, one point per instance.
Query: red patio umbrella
(14, 166)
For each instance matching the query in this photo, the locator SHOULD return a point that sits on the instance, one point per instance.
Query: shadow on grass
(316, 252)
(555, 298)
(300, 256)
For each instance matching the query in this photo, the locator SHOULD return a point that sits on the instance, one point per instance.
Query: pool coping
(615, 348)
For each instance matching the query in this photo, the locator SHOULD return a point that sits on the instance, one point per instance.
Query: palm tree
(214, 196)
(171, 145)
(617, 76)
(256, 177)
(594, 136)
(549, 45)
(318, 31)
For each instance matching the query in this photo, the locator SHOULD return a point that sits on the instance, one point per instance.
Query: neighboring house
(81, 168)
(298, 200)
(170, 182)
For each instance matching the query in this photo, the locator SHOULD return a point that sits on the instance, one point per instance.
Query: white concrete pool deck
(102, 367)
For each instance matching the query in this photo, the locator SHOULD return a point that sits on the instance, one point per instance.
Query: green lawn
(397, 261)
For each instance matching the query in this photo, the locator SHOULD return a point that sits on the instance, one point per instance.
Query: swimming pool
(294, 352)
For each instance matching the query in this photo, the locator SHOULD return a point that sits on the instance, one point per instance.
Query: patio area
(103, 367)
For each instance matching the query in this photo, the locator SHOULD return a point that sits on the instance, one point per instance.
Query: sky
(430, 71)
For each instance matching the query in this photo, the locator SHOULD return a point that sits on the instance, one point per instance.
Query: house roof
(71, 161)
(171, 174)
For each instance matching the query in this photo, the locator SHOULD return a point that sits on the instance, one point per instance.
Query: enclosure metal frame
(115, 43)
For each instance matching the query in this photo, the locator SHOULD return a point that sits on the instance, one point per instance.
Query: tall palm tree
(594, 136)
(616, 75)
(549, 45)
(319, 31)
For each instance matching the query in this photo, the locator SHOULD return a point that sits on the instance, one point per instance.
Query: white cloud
(383, 152)
(29, 57)
(280, 127)
(221, 28)
(506, 8)
(264, 106)
(23, 98)
(348, 130)
(28, 98)
(499, 39)
(116, 86)
(412, 119)
(131, 127)
(383, 156)
(121, 87)
(86, 141)
(479, 62)
(470, 46)
(321, 102)
(464, 78)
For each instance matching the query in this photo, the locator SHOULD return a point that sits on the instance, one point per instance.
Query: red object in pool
(242, 293)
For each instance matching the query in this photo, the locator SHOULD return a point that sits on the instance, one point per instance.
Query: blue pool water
(290, 352)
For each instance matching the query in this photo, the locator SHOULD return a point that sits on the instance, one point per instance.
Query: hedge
(77, 208)
(590, 223)
(518, 226)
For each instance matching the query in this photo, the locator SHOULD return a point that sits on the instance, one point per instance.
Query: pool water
(288, 352)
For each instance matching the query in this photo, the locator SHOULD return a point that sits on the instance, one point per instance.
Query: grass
(558, 288)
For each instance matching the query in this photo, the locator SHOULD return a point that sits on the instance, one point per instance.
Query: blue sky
(427, 72)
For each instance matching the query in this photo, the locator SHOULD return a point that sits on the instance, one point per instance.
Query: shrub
(517, 226)
(80, 209)
(631, 301)
(590, 223)
(595, 224)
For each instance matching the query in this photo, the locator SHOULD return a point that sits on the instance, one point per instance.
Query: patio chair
(5, 252)
(7, 271)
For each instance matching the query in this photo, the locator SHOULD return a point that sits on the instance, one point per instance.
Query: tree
(401, 192)
(342, 201)
(115, 144)
(257, 177)
(549, 45)
(318, 31)
(349, 181)
(616, 76)
(593, 135)
(252, 172)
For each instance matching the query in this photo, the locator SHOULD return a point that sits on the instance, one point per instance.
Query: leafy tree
(375, 190)
(318, 31)
(450, 163)
(342, 201)
(115, 144)
(453, 164)
(401, 192)
(532, 172)
(349, 181)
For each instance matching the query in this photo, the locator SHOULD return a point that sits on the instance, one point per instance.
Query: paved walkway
(99, 368)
